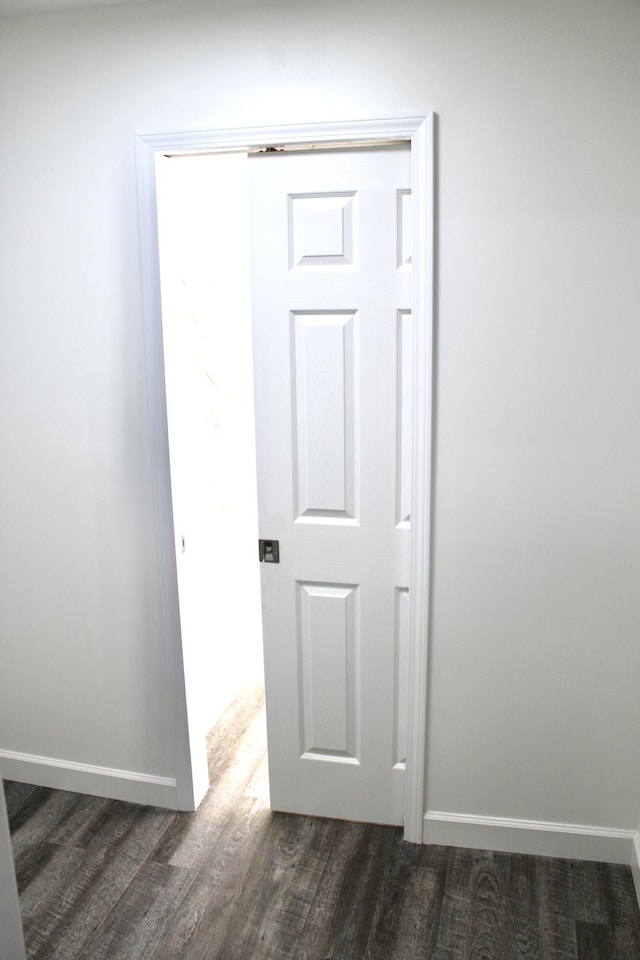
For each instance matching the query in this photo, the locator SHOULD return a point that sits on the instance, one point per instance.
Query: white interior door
(331, 290)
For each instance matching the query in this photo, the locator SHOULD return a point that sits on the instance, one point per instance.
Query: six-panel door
(332, 355)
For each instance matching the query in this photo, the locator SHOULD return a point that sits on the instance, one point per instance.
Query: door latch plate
(269, 551)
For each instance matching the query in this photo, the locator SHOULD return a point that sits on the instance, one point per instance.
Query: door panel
(332, 353)
(324, 349)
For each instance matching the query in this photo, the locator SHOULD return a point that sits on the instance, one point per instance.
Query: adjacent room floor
(105, 880)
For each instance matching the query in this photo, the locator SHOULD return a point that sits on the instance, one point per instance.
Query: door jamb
(190, 759)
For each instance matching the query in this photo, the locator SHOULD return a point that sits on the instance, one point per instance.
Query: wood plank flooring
(104, 880)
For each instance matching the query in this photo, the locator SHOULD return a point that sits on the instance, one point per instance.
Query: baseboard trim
(536, 837)
(86, 778)
(635, 863)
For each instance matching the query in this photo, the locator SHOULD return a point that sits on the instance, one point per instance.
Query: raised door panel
(404, 415)
(329, 659)
(323, 231)
(325, 352)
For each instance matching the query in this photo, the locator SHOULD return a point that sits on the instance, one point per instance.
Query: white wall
(534, 710)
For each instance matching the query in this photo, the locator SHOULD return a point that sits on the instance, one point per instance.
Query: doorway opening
(190, 759)
(203, 242)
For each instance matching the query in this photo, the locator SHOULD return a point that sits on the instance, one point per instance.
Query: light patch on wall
(10, 8)
(206, 317)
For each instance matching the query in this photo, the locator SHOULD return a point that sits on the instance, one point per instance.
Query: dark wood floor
(103, 880)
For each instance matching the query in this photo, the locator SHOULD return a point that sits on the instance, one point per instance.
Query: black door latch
(269, 551)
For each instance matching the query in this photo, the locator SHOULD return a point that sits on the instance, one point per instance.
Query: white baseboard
(635, 864)
(536, 837)
(86, 778)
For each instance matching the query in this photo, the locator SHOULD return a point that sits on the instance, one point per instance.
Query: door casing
(190, 758)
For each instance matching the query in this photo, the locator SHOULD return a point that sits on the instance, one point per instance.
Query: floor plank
(85, 900)
(523, 910)
(486, 926)
(557, 909)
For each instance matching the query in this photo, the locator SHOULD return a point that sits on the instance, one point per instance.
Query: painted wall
(535, 657)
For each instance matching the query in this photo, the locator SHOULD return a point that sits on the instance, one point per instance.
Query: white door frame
(190, 760)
